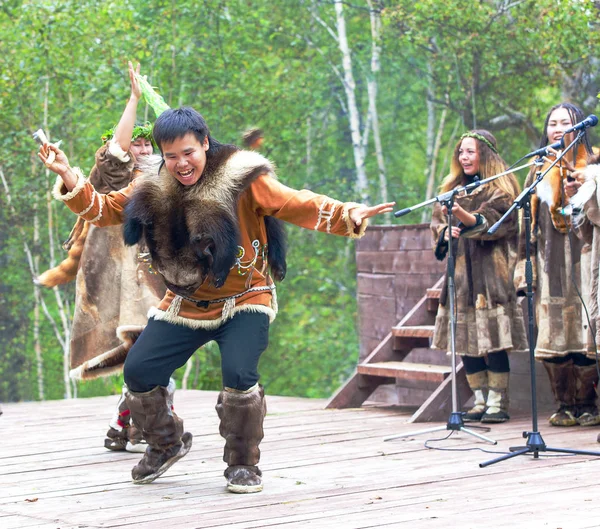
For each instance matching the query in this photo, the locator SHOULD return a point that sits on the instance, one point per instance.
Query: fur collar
(192, 232)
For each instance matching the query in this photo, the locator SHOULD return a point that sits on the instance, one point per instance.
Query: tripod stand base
(455, 423)
(535, 444)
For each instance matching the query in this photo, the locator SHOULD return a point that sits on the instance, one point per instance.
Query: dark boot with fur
(242, 414)
(118, 431)
(163, 431)
(585, 395)
(562, 382)
(135, 440)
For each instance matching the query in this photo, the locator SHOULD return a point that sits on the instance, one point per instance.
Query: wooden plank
(353, 392)
(405, 370)
(413, 331)
(396, 237)
(412, 261)
(322, 468)
(439, 405)
(376, 284)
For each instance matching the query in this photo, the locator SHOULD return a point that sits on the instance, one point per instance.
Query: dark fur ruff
(192, 232)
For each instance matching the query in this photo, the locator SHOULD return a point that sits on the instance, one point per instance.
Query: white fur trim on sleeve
(586, 191)
(592, 172)
(350, 225)
(115, 149)
(59, 192)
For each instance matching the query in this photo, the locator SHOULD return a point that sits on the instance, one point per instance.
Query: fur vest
(192, 232)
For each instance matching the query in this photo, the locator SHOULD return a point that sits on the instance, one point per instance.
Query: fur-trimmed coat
(192, 230)
(587, 201)
(556, 258)
(115, 287)
(489, 319)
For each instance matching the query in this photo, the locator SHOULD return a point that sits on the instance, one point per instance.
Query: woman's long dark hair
(576, 115)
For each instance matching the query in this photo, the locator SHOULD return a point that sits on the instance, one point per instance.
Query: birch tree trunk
(62, 339)
(186, 374)
(358, 147)
(433, 144)
(309, 133)
(64, 317)
(372, 88)
(37, 347)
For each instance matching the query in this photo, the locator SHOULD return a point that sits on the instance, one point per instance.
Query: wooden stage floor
(322, 468)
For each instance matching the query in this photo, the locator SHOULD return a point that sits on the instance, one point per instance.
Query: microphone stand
(455, 421)
(535, 444)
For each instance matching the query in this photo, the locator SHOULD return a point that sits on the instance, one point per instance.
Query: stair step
(433, 299)
(416, 331)
(406, 371)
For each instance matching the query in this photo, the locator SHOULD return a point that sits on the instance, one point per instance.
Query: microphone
(590, 121)
(544, 150)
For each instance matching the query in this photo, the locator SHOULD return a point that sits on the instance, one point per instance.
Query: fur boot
(585, 395)
(135, 440)
(497, 400)
(478, 382)
(562, 382)
(163, 431)
(118, 431)
(242, 414)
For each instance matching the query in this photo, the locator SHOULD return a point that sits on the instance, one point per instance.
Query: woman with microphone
(489, 322)
(556, 254)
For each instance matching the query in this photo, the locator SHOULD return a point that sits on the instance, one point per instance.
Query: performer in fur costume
(210, 215)
(583, 190)
(115, 284)
(489, 319)
(556, 256)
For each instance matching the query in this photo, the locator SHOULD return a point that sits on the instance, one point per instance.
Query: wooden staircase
(386, 364)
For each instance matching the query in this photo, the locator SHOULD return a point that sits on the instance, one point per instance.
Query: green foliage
(265, 63)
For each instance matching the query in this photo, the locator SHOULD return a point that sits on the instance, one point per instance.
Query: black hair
(175, 123)
(576, 115)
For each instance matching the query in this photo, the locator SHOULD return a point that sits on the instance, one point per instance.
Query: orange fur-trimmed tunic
(248, 286)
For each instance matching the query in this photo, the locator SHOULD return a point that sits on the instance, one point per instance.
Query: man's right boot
(135, 440)
(163, 431)
(562, 382)
(478, 382)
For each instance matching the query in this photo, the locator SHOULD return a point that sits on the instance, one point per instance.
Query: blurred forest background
(360, 100)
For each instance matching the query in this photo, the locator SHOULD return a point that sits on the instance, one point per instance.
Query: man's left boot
(586, 378)
(497, 400)
(242, 414)
(118, 431)
(151, 413)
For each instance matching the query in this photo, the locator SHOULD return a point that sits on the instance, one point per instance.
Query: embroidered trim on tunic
(244, 267)
(325, 215)
(191, 323)
(204, 303)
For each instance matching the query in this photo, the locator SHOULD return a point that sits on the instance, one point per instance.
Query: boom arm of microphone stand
(518, 202)
(444, 197)
(405, 211)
